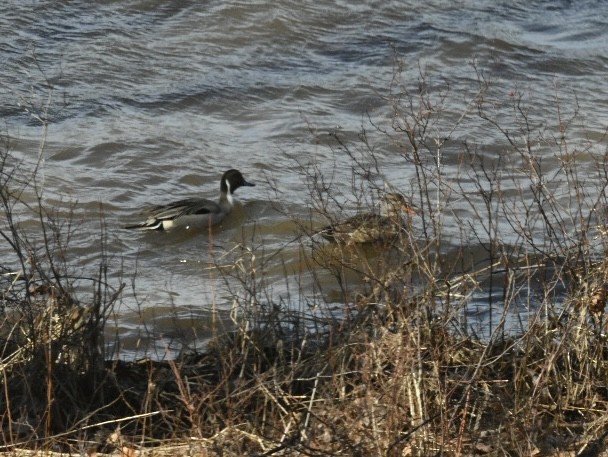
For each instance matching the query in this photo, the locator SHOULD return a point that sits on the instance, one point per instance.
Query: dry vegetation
(401, 373)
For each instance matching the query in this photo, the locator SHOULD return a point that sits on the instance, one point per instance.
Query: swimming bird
(194, 212)
(372, 227)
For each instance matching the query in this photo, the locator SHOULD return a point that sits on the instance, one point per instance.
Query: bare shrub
(52, 316)
(382, 356)
(400, 370)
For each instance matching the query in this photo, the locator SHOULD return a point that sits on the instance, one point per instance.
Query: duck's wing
(354, 226)
(189, 206)
(362, 228)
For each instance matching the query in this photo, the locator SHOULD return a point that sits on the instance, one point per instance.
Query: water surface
(153, 100)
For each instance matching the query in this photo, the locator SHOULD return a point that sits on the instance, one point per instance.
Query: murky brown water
(153, 100)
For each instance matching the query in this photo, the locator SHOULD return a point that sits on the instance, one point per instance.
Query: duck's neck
(226, 202)
(390, 210)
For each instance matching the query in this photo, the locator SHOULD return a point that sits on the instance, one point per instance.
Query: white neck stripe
(229, 192)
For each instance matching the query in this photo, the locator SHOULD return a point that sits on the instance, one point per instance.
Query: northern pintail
(195, 212)
(371, 227)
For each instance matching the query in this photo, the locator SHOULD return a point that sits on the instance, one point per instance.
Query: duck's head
(394, 202)
(232, 180)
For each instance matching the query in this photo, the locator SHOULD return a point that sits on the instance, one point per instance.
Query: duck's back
(363, 228)
(185, 207)
(186, 213)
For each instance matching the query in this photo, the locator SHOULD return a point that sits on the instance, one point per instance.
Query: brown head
(393, 203)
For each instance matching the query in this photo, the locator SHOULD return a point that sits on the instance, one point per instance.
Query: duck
(195, 212)
(372, 227)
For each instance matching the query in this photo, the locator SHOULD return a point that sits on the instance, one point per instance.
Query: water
(153, 100)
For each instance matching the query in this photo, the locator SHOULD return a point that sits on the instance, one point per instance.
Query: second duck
(371, 227)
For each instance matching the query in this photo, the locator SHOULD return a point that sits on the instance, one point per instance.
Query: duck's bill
(409, 209)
